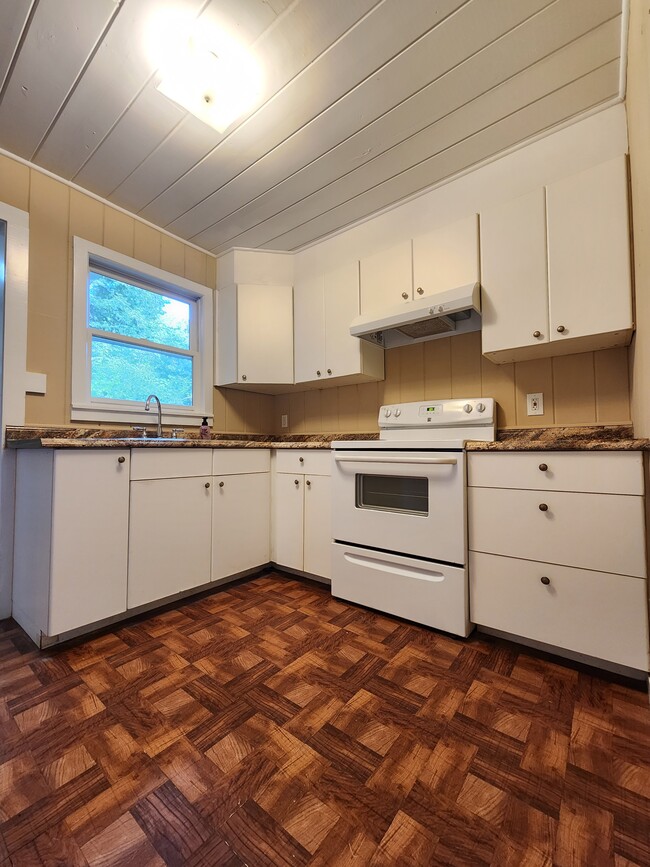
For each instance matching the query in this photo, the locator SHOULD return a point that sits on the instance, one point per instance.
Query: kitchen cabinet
(170, 524)
(325, 352)
(442, 259)
(241, 511)
(542, 562)
(254, 336)
(555, 263)
(302, 524)
(71, 536)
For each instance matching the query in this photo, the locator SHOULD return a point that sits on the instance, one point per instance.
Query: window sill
(170, 415)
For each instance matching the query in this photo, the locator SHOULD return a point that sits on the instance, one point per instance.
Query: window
(137, 331)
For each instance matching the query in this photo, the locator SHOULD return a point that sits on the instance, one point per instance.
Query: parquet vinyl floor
(270, 724)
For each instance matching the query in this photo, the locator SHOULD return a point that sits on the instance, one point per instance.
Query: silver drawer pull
(341, 459)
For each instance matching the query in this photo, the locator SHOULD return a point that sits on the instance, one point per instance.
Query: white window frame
(87, 256)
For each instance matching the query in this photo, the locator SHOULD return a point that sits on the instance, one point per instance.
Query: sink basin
(151, 439)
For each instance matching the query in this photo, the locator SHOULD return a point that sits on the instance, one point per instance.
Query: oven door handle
(340, 459)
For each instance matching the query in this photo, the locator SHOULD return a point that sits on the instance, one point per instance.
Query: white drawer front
(428, 593)
(228, 462)
(587, 472)
(596, 613)
(316, 462)
(593, 531)
(179, 463)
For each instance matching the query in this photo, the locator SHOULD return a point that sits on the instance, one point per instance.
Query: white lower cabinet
(302, 522)
(169, 537)
(240, 523)
(71, 532)
(557, 551)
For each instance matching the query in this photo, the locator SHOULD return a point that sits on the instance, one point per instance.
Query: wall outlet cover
(535, 403)
(284, 421)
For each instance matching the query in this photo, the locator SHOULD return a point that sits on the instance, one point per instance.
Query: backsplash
(585, 389)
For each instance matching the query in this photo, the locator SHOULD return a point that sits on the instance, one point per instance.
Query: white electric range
(399, 512)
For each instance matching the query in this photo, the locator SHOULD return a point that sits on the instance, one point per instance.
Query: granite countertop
(105, 438)
(595, 438)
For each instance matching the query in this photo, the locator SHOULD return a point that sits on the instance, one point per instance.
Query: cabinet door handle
(207, 484)
(121, 459)
(546, 581)
(543, 467)
(221, 484)
(543, 507)
(296, 482)
(420, 290)
(561, 329)
(329, 370)
(318, 373)
(308, 483)
(405, 295)
(537, 333)
(302, 460)
(243, 376)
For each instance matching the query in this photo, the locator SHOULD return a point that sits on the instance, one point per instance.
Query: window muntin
(138, 330)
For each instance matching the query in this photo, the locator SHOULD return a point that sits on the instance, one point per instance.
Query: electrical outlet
(284, 421)
(535, 403)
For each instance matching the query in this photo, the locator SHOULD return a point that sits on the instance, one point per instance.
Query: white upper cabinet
(514, 302)
(386, 278)
(326, 353)
(556, 268)
(589, 252)
(255, 336)
(442, 259)
(446, 258)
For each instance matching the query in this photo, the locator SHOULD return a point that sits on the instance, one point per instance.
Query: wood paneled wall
(57, 212)
(590, 388)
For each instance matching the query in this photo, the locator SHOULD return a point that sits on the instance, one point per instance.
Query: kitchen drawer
(604, 473)
(166, 463)
(228, 462)
(593, 531)
(316, 462)
(596, 613)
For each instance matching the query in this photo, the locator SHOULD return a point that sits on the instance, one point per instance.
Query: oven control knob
(387, 412)
(468, 407)
(480, 407)
(398, 412)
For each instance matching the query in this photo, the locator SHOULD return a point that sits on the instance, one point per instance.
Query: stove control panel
(438, 413)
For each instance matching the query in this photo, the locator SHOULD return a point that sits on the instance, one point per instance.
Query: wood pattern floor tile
(270, 724)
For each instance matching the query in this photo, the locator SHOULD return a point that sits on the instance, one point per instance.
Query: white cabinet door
(318, 526)
(386, 278)
(342, 351)
(589, 252)
(90, 509)
(240, 523)
(254, 335)
(514, 297)
(169, 539)
(288, 518)
(309, 329)
(446, 257)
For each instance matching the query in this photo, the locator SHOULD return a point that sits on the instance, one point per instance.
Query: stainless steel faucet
(147, 406)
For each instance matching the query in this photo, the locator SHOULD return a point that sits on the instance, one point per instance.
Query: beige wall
(590, 388)
(638, 116)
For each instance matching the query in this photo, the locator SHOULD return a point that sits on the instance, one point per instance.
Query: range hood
(452, 312)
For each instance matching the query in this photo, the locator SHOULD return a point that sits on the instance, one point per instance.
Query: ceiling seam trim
(19, 44)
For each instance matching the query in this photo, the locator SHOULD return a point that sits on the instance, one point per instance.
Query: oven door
(409, 502)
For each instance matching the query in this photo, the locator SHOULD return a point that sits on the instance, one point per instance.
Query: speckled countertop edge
(587, 438)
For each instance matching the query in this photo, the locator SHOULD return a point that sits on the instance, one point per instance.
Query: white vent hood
(452, 312)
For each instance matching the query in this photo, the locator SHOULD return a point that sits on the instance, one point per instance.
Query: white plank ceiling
(366, 102)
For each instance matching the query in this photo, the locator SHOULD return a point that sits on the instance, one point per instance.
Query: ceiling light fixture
(208, 72)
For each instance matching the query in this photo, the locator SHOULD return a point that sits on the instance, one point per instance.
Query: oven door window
(403, 494)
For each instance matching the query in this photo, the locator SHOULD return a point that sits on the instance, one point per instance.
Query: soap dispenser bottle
(204, 430)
